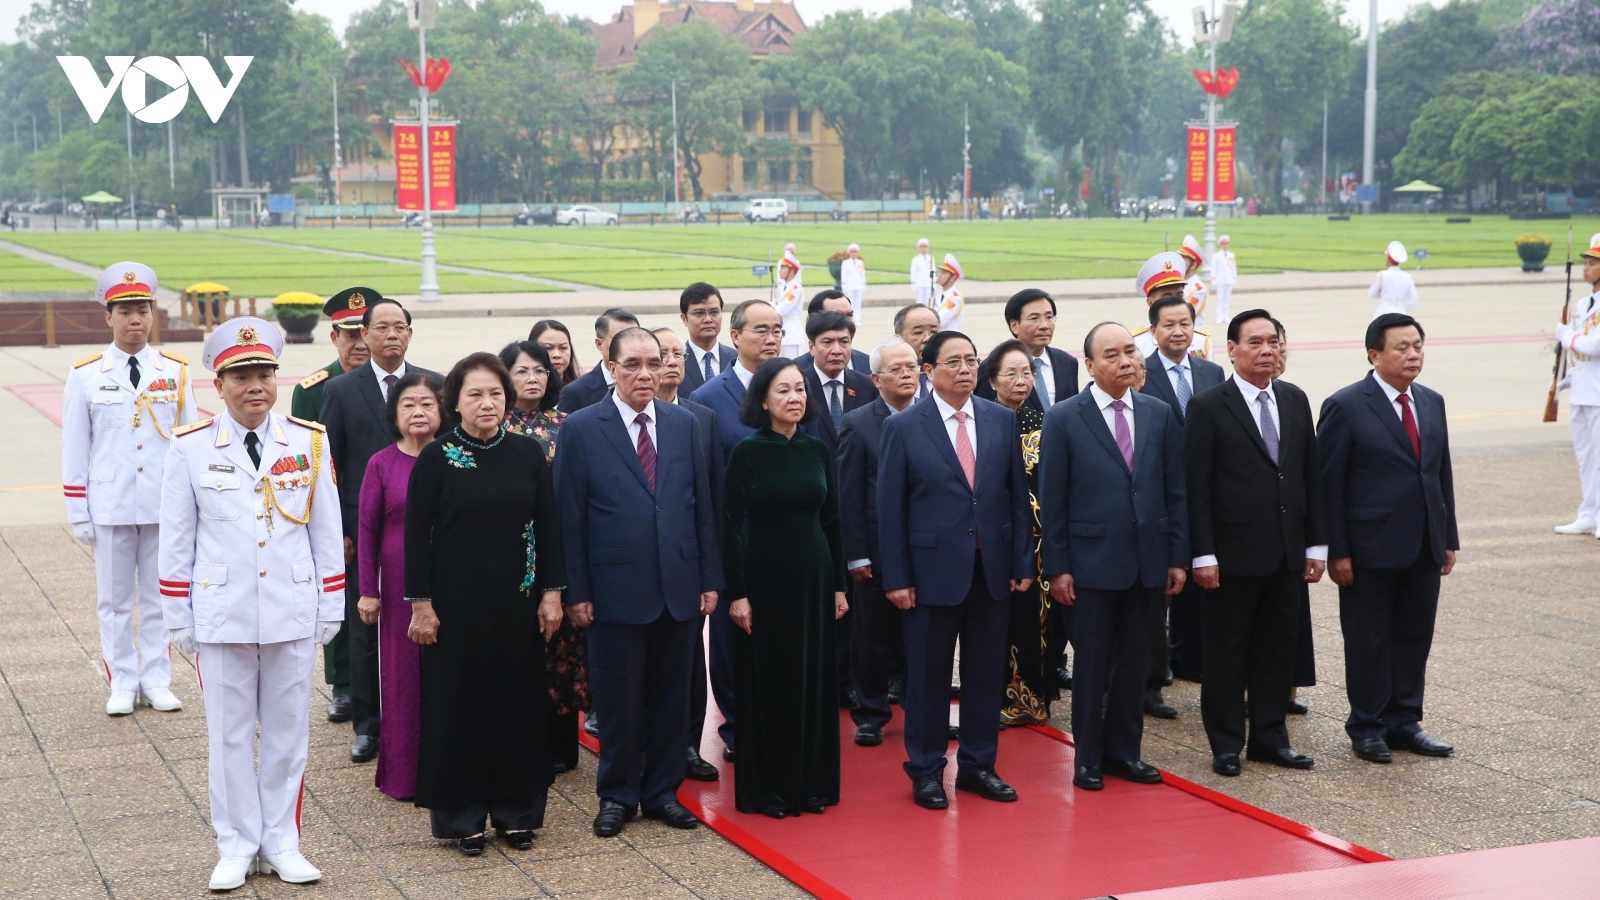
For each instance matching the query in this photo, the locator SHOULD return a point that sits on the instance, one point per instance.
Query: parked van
(767, 211)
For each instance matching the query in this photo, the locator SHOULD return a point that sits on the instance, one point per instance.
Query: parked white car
(767, 211)
(585, 215)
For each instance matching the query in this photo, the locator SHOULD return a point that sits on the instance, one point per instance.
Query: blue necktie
(1038, 382)
(835, 407)
(1185, 392)
(709, 374)
(922, 387)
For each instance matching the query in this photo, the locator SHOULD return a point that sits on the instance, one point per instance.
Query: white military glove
(1564, 332)
(326, 631)
(183, 639)
(84, 532)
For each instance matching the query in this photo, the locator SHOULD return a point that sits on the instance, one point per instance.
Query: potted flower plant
(836, 266)
(1533, 248)
(297, 312)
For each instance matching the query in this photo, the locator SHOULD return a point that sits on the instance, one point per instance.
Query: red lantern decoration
(1222, 85)
(438, 71)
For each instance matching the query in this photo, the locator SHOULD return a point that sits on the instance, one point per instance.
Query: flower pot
(835, 269)
(297, 325)
(1533, 256)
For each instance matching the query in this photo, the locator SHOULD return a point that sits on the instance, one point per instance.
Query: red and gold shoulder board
(182, 430)
(314, 426)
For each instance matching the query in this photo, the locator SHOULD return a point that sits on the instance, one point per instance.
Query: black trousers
(719, 662)
(1305, 650)
(363, 643)
(564, 739)
(1156, 648)
(1249, 641)
(639, 677)
(979, 622)
(1111, 644)
(698, 695)
(1387, 616)
(449, 824)
(875, 637)
(1186, 633)
(1058, 628)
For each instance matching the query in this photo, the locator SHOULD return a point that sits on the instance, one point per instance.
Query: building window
(777, 121)
(806, 170)
(778, 171)
(805, 121)
(750, 120)
(750, 172)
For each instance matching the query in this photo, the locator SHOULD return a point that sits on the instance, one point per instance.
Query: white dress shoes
(1581, 525)
(289, 866)
(160, 699)
(230, 872)
(120, 703)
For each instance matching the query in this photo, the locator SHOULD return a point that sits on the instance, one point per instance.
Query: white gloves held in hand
(183, 639)
(84, 533)
(326, 631)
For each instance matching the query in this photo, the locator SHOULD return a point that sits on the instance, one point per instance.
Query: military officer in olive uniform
(345, 309)
(118, 411)
(252, 578)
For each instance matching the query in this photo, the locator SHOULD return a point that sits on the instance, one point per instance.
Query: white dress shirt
(629, 414)
(1045, 381)
(947, 413)
(744, 375)
(1173, 375)
(698, 358)
(1250, 392)
(239, 431)
(1104, 401)
(1394, 397)
(383, 388)
(828, 389)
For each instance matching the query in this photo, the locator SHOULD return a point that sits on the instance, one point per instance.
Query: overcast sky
(339, 11)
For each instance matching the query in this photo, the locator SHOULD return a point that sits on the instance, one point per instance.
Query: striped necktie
(647, 450)
(1184, 390)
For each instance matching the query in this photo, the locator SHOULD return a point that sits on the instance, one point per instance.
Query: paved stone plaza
(97, 807)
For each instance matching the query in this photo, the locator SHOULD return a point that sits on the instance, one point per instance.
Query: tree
(1428, 153)
(1290, 54)
(599, 120)
(999, 25)
(1560, 37)
(714, 84)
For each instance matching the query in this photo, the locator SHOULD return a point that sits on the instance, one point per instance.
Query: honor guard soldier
(950, 303)
(252, 577)
(1580, 335)
(1161, 276)
(788, 298)
(118, 412)
(1393, 288)
(1224, 275)
(345, 309)
(1194, 287)
(922, 277)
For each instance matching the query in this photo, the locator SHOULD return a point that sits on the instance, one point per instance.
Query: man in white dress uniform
(1393, 288)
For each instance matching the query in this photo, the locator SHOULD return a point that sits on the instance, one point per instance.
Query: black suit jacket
(858, 479)
(859, 362)
(1381, 496)
(585, 391)
(693, 377)
(1252, 514)
(706, 420)
(353, 413)
(1203, 373)
(1063, 365)
(858, 392)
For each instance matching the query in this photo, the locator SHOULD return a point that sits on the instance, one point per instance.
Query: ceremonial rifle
(1551, 403)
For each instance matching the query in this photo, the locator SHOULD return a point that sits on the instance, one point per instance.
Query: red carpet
(1055, 842)
(1555, 871)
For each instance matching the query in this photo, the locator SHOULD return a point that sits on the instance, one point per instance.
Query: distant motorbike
(838, 214)
(692, 214)
(938, 214)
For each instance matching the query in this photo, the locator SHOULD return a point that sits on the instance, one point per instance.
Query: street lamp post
(429, 290)
(1369, 124)
(1212, 31)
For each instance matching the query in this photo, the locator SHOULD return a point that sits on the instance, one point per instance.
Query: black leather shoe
(1284, 758)
(1373, 750)
(591, 725)
(847, 699)
(815, 805)
(897, 690)
(1226, 764)
(986, 784)
(1296, 708)
(1064, 678)
(1419, 743)
(929, 792)
(560, 767)
(364, 748)
(517, 840)
(775, 812)
(472, 846)
(954, 733)
(869, 735)
(611, 818)
(700, 770)
(1138, 771)
(1156, 708)
(339, 709)
(1088, 778)
(728, 754)
(675, 814)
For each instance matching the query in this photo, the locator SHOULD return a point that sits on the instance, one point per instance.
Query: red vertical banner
(1083, 189)
(408, 167)
(442, 162)
(1197, 164)
(1224, 186)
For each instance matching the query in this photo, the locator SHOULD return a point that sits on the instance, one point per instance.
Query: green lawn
(18, 273)
(250, 270)
(668, 257)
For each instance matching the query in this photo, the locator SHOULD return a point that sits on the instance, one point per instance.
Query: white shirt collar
(605, 374)
(837, 379)
(1104, 400)
(1249, 392)
(744, 375)
(629, 414)
(1390, 390)
(946, 410)
(1168, 364)
(379, 371)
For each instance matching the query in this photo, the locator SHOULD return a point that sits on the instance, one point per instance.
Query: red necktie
(964, 454)
(647, 450)
(1410, 421)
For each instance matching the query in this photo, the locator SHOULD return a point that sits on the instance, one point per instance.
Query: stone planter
(835, 269)
(298, 325)
(1533, 256)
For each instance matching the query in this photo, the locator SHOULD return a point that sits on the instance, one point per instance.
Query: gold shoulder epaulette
(182, 430)
(1202, 331)
(315, 378)
(86, 360)
(1141, 331)
(314, 426)
(180, 360)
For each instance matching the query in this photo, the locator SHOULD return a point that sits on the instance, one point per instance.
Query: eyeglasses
(633, 366)
(766, 331)
(386, 330)
(671, 354)
(902, 369)
(535, 372)
(959, 363)
(704, 313)
(1014, 374)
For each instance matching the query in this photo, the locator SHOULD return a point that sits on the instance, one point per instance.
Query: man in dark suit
(955, 534)
(1258, 526)
(1176, 375)
(831, 300)
(591, 387)
(353, 412)
(1115, 542)
(877, 648)
(831, 384)
(1392, 534)
(638, 581)
(1031, 316)
(700, 308)
(671, 391)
